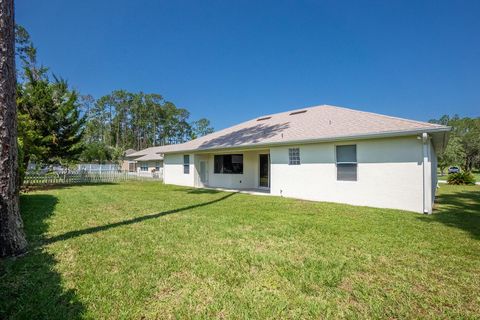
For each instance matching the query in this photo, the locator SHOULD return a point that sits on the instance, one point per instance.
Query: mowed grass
(143, 250)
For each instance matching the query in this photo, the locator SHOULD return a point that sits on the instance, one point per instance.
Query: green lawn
(144, 250)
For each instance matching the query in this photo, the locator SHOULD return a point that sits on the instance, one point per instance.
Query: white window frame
(291, 161)
(346, 162)
(186, 164)
(144, 166)
(228, 154)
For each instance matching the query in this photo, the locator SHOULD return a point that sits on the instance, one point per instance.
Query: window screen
(228, 163)
(294, 156)
(346, 163)
(186, 164)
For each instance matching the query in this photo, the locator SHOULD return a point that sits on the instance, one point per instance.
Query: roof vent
(264, 118)
(297, 112)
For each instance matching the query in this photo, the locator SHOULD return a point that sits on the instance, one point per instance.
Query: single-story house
(147, 162)
(322, 153)
(127, 163)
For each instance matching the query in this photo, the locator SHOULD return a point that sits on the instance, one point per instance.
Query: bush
(465, 177)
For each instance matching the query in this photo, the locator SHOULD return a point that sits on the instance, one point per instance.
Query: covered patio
(244, 170)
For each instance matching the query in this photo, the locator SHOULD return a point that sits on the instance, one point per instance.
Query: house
(147, 162)
(322, 153)
(128, 164)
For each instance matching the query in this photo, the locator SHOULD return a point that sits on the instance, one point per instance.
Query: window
(347, 163)
(186, 164)
(157, 166)
(132, 167)
(228, 163)
(143, 166)
(294, 156)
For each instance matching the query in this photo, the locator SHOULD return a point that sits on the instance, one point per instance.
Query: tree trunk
(468, 163)
(12, 237)
(26, 160)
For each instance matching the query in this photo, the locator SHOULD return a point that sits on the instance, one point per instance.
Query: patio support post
(427, 174)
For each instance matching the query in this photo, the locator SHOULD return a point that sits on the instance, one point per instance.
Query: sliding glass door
(264, 171)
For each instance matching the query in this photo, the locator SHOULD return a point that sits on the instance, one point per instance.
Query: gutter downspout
(427, 175)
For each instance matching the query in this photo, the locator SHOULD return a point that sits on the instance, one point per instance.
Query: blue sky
(230, 61)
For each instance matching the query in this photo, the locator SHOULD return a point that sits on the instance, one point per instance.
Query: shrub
(464, 177)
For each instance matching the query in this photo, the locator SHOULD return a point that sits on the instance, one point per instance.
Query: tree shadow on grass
(203, 191)
(459, 210)
(30, 288)
(199, 191)
(77, 233)
(29, 188)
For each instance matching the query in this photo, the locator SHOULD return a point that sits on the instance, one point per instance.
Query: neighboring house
(322, 153)
(148, 162)
(98, 167)
(129, 164)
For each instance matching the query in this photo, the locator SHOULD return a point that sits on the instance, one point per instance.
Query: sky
(231, 61)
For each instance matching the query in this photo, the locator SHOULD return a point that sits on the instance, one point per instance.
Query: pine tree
(12, 237)
(66, 127)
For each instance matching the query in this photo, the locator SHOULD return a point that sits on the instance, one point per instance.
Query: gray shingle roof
(151, 150)
(320, 123)
(150, 156)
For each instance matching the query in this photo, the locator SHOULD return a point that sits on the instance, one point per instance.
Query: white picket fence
(79, 177)
(94, 167)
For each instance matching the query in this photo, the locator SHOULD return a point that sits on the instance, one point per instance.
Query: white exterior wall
(151, 166)
(173, 170)
(248, 180)
(389, 174)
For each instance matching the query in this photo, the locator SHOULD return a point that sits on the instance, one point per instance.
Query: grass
(144, 250)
